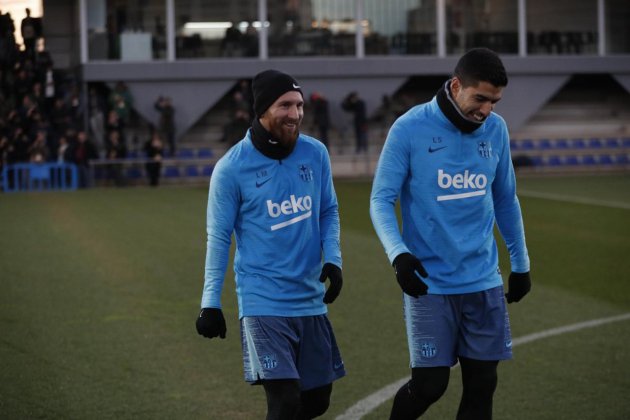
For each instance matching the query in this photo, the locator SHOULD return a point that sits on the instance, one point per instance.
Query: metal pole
(441, 28)
(170, 30)
(262, 33)
(601, 27)
(83, 44)
(359, 39)
(522, 28)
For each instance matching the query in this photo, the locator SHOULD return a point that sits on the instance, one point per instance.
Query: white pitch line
(372, 401)
(572, 199)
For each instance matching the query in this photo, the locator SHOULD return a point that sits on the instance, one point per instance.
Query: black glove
(408, 267)
(332, 272)
(519, 285)
(210, 323)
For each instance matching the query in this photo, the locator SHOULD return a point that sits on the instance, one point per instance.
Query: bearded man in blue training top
(448, 162)
(274, 191)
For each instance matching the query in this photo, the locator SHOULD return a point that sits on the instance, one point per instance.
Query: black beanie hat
(268, 86)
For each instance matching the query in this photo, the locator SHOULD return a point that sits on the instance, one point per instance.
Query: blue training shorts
(302, 348)
(441, 328)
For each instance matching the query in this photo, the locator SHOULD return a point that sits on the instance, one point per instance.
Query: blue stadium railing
(39, 177)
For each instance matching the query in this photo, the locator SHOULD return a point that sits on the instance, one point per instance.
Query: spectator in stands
(245, 100)
(116, 150)
(355, 105)
(37, 95)
(231, 43)
(321, 116)
(446, 259)
(121, 101)
(250, 41)
(30, 30)
(239, 102)
(39, 123)
(154, 149)
(294, 253)
(48, 79)
(60, 117)
(236, 128)
(22, 83)
(63, 150)
(164, 105)
(75, 106)
(114, 123)
(39, 151)
(27, 111)
(118, 105)
(12, 121)
(97, 108)
(82, 151)
(8, 51)
(18, 150)
(4, 150)
(7, 27)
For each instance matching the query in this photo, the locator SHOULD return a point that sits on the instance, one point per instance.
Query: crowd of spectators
(45, 117)
(42, 109)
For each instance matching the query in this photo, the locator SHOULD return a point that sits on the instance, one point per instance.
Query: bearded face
(284, 117)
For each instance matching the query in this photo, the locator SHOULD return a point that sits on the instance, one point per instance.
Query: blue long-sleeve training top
(285, 220)
(452, 186)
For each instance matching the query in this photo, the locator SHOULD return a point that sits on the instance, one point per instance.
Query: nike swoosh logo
(338, 366)
(296, 86)
(435, 149)
(260, 184)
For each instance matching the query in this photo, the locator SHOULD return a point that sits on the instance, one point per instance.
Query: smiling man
(274, 191)
(448, 161)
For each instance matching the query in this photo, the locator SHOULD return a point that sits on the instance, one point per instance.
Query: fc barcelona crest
(306, 173)
(269, 361)
(485, 149)
(428, 350)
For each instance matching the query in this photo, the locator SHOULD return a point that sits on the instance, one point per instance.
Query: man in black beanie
(282, 127)
(273, 190)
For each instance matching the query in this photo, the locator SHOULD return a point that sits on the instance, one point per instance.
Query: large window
(482, 23)
(128, 30)
(562, 27)
(137, 29)
(618, 26)
(400, 27)
(311, 27)
(217, 28)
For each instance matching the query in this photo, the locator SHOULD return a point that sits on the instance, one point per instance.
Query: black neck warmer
(451, 110)
(266, 144)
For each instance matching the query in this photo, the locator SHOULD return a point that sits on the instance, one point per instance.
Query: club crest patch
(428, 350)
(485, 149)
(269, 361)
(306, 173)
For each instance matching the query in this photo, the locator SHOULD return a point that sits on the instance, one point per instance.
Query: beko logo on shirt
(294, 205)
(459, 181)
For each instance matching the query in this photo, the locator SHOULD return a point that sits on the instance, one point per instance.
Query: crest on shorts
(269, 361)
(485, 149)
(428, 350)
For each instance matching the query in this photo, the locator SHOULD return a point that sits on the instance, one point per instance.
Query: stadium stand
(583, 128)
(171, 172)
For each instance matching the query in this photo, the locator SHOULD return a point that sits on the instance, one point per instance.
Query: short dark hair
(481, 65)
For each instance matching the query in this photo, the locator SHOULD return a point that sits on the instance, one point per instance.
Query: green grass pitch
(99, 291)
